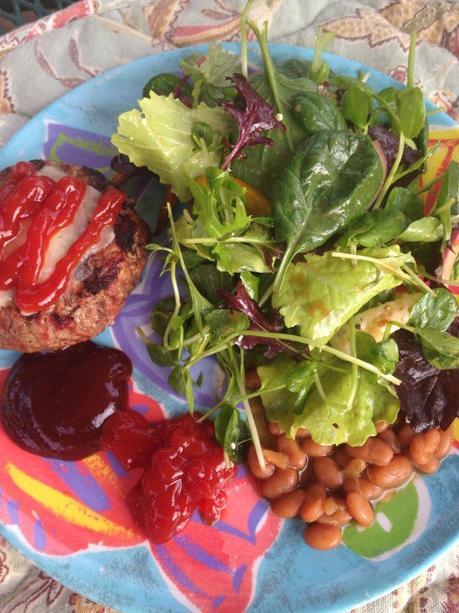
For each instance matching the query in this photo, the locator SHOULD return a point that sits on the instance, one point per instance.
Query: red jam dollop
(184, 471)
(44, 207)
(55, 404)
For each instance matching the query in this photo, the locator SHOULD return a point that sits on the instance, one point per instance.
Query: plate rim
(346, 601)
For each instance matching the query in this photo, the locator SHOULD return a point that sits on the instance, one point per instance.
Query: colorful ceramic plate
(70, 518)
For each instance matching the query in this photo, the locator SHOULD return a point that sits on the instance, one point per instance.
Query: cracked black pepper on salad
(306, 264)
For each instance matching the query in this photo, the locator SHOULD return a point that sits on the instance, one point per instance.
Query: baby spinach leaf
(328, 183)
(160, 355)
(164, 84)
(320, 294)
(315, 113)
(379, 228)
(384, 355)
(440, 348)
(411, 111)
(161, 314)
(239, 257)
(210, 281)
(356, 105)
(223, 323)
(232, 433)
(405, 201)
(437, 310)
(425, 230)
(448, 199)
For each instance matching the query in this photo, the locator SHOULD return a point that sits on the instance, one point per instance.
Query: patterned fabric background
(43, 60)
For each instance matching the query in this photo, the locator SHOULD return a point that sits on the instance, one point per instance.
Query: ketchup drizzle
(50, 206)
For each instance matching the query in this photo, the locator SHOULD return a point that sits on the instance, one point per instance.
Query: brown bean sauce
(54, 404)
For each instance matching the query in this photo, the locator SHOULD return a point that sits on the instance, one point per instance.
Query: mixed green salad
(304, 251)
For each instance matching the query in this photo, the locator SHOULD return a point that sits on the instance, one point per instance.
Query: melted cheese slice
(61, 242)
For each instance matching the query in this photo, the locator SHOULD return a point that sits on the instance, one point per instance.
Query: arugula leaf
(161, 314)
(210, 74)
(437, 310)
(320, 294)
(315, 113)
(326, 413)
(327, 184)
(219, 204)
(232, 433)
(223, 323)
(160, 355)
(159, 136)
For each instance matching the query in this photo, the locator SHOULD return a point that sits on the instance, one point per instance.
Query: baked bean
(340, 456)
(274, 428)
(330, 506)
(355, 466)
(292, 449)
(423, 446)
(358, 452)
(340, 517)
(314, 450)
(405, 434)
(381, 426)
(351, 483)
(322, 537)
(255, 467)
(281, 482)
(374, 451)
(327, 472)
(277, 459)
(313, 504)
(390, 438)
(360, 509)
(369, 490)
(446, 440)
(288, 505)
(430, 468)
(396, 473)
(252, 380)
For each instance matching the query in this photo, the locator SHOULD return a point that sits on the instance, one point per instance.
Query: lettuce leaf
(322, 293)
(330, 418)
(159, 136)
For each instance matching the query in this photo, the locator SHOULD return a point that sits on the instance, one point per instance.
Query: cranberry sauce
(54, 404)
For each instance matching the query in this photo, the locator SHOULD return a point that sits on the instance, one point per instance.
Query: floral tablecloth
(43, 60)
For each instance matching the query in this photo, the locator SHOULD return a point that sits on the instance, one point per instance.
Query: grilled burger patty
(99, 286)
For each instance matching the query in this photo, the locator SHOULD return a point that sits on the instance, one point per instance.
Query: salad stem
(243, 30)
(327, 349)
(393, 171)
(411, 54)
(262, 38)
